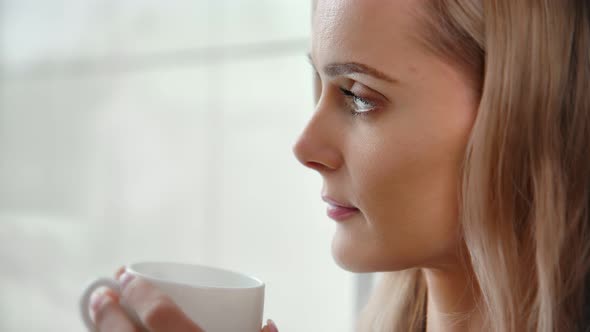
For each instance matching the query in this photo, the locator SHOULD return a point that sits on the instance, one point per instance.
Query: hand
(270, 327)
(156, 311)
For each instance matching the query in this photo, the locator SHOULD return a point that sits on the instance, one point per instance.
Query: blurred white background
(159, 130)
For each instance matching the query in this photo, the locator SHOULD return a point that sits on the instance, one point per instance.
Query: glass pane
(184, 157)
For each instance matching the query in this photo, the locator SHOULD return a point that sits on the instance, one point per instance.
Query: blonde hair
(524, 195)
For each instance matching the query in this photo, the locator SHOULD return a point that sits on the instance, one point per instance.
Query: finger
(272, 327)
(155, 309)
(119, 272)
(108, 314)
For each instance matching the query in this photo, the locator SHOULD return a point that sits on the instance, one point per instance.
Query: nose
(319, 145)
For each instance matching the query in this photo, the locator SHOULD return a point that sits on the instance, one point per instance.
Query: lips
(339, 211)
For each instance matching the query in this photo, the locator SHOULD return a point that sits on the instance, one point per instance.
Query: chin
(358, 259)
(351, 259)
(353, 266)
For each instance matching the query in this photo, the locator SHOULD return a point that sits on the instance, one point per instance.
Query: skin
(156, 311)
(399, 162)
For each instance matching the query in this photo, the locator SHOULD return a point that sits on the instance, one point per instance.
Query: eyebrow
(347, 68)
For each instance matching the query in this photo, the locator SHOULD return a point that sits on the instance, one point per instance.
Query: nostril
(315, 165)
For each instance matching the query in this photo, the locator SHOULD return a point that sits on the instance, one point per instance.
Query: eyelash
(355, 98)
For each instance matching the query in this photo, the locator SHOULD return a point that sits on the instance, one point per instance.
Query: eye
(317, 81)
(358, 105)
(317, 87)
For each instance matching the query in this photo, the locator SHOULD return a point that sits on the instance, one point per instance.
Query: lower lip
(339, 213)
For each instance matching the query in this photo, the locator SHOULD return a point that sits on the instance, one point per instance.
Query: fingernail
(120, 271)
(272, 326)
(125, 279)
(97, 300)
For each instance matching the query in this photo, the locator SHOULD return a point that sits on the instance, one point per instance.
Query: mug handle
(85, 302)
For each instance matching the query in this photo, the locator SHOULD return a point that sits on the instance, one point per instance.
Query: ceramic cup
(217, 300)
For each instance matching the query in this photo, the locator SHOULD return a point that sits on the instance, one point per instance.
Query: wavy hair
(524, 194)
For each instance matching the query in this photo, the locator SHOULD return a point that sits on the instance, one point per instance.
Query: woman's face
(388, 135)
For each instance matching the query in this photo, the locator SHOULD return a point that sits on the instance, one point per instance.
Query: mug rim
(133, 268)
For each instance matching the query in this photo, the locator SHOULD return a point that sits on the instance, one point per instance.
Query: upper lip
(334, 202)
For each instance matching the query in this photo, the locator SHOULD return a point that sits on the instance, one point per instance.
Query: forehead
(362, 30)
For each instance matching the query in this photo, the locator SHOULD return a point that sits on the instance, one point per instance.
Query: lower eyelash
(351, 95)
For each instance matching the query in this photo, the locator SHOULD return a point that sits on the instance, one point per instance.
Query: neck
(452, 299)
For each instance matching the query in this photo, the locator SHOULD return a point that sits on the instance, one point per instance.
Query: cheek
(408, 192)
(411, 208)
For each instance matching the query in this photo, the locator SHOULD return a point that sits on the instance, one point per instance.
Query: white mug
(217, 300)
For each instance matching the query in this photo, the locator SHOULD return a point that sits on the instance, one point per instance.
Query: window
(152, 130)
